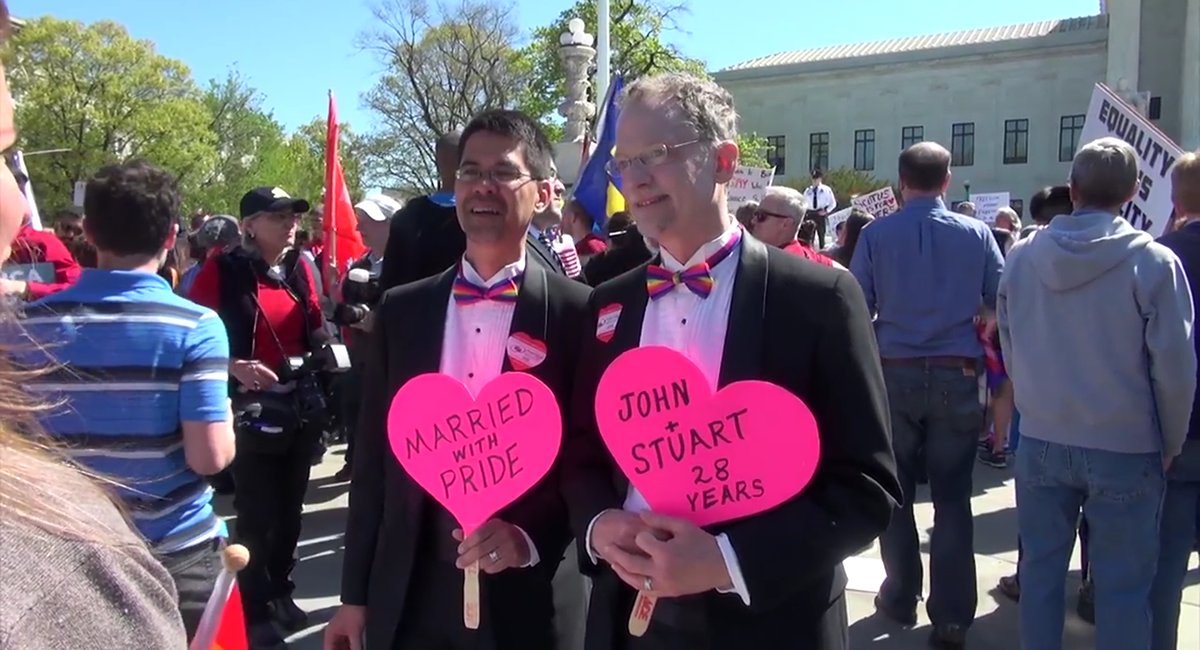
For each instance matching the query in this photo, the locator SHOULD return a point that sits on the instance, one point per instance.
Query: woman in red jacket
(267, 297)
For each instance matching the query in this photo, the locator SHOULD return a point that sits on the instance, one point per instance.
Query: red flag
(343, 244)
(231, 633)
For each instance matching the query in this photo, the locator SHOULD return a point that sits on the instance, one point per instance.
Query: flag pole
(234, 558)
(331, 272)
(603, 49)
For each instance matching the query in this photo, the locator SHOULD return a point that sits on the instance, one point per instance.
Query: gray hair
(699, 102)
(795, 201)
(1104, 174)
(250, 244)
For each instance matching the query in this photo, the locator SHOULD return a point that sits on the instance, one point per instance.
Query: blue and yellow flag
(599, 193)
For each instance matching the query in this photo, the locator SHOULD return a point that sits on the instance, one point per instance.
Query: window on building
(864, 150)
(776, 153)
(1069, 128)
(962, 144)
(818, 150)
(1016, 142)
(1154, 110)
(1018, 206)
(911, 135)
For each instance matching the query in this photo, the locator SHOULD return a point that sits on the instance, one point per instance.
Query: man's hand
(253, 374)
(345, 629)
(617, 529)
(687, 562)
(366, 323)
(988, 317)
(496, 546)
(13, 287)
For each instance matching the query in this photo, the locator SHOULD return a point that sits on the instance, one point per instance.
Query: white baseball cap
(378, 207)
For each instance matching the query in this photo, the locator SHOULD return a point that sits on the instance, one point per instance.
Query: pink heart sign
(475, 455)
(698, 456)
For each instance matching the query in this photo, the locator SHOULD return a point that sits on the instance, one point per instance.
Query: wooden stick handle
(471, 597)
(643, 610)
(234, 558)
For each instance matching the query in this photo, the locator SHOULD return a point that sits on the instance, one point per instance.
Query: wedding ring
(494, 556)
(647, 584)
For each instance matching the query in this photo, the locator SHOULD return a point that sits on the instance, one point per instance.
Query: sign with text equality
(698, 456)
(1108, 115)
(475, 455)
(879, 203)
(748, 184)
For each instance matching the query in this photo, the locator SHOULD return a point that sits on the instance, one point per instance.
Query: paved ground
(995, 547)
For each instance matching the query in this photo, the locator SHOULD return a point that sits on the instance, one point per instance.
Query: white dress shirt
(821, 197)
(475, 340)
(695, 327)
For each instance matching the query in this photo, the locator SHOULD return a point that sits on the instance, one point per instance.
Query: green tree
(103, 96)
(753, 150)
(845, 183)
(443, 65)
(306, 155)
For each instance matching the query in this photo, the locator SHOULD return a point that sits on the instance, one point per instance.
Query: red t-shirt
(796, 248)
(37, 247)
(281, 315)
(590, 245)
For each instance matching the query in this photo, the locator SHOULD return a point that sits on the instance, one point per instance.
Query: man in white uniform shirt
(771, 580)
(820, 196)
(402, 578)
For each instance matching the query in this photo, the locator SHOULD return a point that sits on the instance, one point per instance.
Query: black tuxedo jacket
(424, 238)
(802, 326)
(384, 525)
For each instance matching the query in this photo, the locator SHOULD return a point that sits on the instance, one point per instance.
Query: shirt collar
(505, 272)
(111, 282)
(673, 265)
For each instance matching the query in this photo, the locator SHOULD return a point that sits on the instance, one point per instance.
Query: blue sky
(293, 51)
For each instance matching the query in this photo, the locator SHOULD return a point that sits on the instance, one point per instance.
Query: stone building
(1007, 101)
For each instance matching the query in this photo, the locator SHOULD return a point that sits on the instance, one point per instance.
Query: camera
(271, 416)
(359, 293)
(312, 374)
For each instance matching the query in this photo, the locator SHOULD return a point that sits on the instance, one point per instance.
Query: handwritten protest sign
(832, 222)
(748, 184)
(987, 205)
(38, 272)
(1151, 208)
(475, 455)
(698, 456)
(879, 203)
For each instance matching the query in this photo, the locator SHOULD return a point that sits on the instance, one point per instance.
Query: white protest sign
(833, 221)
(988, 204)
(80, 190)
(748, 184)
(41, 272)
(1151, 208)
(879, 203)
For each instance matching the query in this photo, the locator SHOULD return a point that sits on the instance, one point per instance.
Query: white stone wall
(1040, 85)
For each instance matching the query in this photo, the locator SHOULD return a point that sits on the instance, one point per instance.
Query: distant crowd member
(581, 227)
(821, 202)
(965, 207)
(745, 214)
(780, 221)
(1181, 504)
(1098, 431)
(1007, 219)
(68, 224)
(143, 376)
(1048, 203)
(849, 235)
(627, 249)
(39, 266)
(425, 237)
(929, 346)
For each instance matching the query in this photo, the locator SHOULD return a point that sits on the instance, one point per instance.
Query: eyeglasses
(501, 176)
(761, 215)
(652, 157)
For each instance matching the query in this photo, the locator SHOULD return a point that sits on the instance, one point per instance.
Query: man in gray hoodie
(1096, 323)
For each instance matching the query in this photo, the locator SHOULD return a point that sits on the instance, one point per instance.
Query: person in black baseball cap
(269, 218)
(271, 199)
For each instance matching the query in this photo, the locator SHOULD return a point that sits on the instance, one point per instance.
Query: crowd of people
(161, 359)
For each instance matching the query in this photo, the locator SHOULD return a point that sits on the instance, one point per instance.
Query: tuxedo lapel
(544, 253)
(742, 355)
(532, 310)
(423, 349)
(632, 297)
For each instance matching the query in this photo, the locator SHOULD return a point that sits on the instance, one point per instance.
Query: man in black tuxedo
(402, 579)
(771, 580)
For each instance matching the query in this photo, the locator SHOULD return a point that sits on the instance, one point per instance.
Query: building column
(1189, 96)
(1124, 45)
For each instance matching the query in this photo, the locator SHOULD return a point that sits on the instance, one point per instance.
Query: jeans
(1121, 497)
(269, 502)
(935, 408)
(195, 571)
(1177, 537)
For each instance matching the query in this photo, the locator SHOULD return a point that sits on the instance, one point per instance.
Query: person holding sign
(731, 309)
(494, 312)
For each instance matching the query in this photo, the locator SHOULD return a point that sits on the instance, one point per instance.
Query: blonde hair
(1185, 183)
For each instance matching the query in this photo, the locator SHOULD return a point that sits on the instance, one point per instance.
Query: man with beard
(402, 580)
(767, 581)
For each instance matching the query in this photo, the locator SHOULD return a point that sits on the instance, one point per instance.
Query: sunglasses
(762, 215)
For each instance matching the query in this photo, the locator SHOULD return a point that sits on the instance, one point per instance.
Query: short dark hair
(539, 153)
(1049, 202)
(925, 166)
(130, 208)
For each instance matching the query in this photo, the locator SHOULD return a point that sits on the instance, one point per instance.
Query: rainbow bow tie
(698, 279)
(468, 293)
